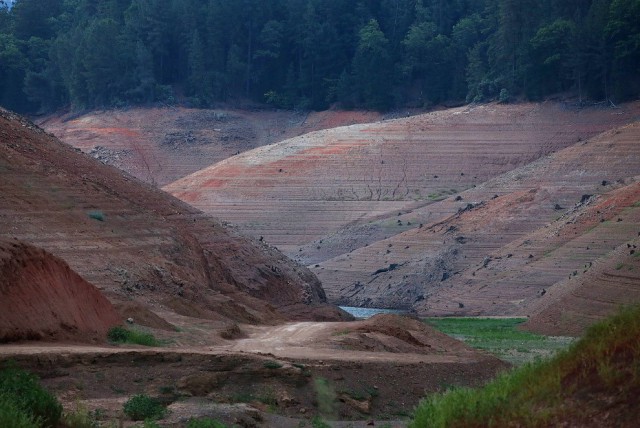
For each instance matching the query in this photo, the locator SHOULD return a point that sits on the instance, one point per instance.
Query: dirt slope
(41, 298)
(506, 241)
(161, 145)
(137, 243)
(572, 305)
(306, 188)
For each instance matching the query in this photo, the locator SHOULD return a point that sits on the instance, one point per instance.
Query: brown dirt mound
(142, 315)
(398, 334)
(41, 298)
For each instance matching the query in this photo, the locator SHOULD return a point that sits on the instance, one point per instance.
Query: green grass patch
(205, 423)
(549, 392)
(501, 337)
(122, 335)
(22, 398)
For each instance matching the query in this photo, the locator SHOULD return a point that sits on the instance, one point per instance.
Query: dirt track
(294, 341)
(281, 364)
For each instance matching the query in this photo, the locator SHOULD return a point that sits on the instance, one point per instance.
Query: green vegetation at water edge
(602, 367)
(501, 337)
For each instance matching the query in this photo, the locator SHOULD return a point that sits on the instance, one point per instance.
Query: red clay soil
(309, 187)
(161, 145)
(136, 243)
(41, 298)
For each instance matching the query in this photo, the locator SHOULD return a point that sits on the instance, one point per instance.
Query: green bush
(118, 334)
(96, 215)
(122, 335)
(80, 418)
(205, 423)
(23, 391)
(272, 365)
(504, 96)
(141, 407)
(13, 416)
(317, 422)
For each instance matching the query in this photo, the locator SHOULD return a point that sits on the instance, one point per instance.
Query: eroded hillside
(446, 213)
(137, 244)
(161, 145)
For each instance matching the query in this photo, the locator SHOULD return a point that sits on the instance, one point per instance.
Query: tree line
(309, 54)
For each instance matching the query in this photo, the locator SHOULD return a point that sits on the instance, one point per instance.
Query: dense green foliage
(501, 337)
(123, 335)
(24, 403)
(374, 54)
(13, 416)
(545, 393)
(141, 407)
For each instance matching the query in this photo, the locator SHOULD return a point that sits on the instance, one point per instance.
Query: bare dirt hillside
(41, 298)
(479, 218)
(507, 241)
(301, 190)
(136, 243)
(161, 145)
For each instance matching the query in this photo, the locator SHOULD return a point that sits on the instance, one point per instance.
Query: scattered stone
(130, 320)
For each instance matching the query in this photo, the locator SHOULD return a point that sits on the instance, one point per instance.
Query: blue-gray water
(369, 312)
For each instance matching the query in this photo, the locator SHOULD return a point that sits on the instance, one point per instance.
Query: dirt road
(378, 368)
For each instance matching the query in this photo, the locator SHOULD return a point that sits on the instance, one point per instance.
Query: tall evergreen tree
(371, 67)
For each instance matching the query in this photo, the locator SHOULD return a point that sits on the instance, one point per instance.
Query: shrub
(141, 407)
(96, 215)
(122, 335)
(504, 96)
(205, 423)
(272, 365)
(13, 416)
(23, 391)
(118, 334)
(317, 422)
(80, 418)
